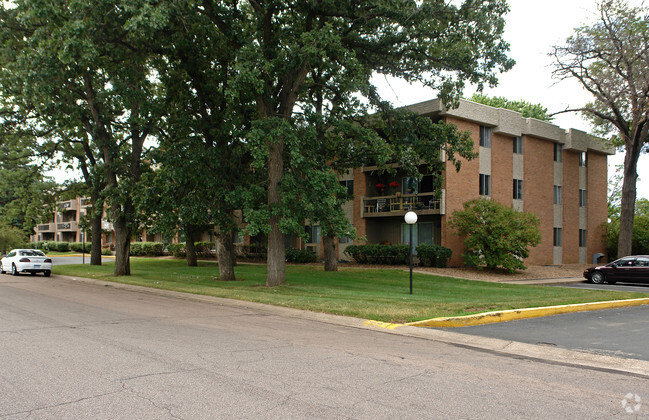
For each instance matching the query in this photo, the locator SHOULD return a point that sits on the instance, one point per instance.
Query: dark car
(631, 269)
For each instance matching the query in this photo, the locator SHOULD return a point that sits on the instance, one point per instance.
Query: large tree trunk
(226, 255)
(190, 248)
(627, 204)
(330, 257)
(276, 267)
(122, 248)
(95, 232)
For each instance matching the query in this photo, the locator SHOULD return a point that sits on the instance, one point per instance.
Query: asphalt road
(76, 349)
(614, 332)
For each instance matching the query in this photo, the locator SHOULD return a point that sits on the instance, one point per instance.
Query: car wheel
(14, 271)
(2, 269)
(47, 273)
(597, 277)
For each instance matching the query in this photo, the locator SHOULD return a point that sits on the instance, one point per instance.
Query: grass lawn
(381, 295)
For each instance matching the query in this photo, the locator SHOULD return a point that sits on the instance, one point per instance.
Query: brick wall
(502, 169)
(570, 207)
(596, 197)
(460, 187)
(538, 160)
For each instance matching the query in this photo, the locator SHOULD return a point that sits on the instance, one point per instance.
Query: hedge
(433, 255)
(300, 256)
(147, 249)
(203, 249)
(78, 246)
(379, 254)
(51, 246)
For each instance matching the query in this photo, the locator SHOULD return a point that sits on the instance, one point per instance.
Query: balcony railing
(67, 226)
(45, 228)
(400, 204)
(69, 205)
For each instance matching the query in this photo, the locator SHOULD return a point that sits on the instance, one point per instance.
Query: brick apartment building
(534, 166)
(64, 226)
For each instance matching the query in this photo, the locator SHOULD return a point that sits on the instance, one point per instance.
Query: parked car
(631, 269)
(26, 261)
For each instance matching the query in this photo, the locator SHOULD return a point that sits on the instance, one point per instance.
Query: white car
(26, 261)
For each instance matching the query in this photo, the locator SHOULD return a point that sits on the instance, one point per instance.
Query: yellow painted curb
(380, 324)
(514, 314)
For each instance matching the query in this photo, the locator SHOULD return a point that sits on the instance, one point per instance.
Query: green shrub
(78, 246)
(106, 251)
(495, 235)
(177, 250)
(379, 254)
(433, 255)
(146, 249)
(56, 246)
(204, 249)
(300, 256)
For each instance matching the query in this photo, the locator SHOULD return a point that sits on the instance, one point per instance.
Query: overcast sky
(532, 28)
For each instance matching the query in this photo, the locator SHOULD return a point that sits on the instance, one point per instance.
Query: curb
(515, 314)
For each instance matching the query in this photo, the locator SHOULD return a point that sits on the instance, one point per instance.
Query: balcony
(70, 205)
(67, 227)
(400, 204)
(45, 228)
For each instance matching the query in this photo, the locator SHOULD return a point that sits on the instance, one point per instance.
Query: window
(422, 233)
(557, 236)
(642, 262)
(518, 145)
(485, 184)
(345, 240)
(582, 237)
(518, 189)
(238, 237)
(409, 185)
(485, 136)
(557, 194)
(558, 152)
(582, 159)
(349, 186)
(313, 234)
(582, 198)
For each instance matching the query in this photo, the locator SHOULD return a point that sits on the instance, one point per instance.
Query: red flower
(394, 184)
(379, 185)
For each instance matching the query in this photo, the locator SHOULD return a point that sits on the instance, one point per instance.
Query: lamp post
(411, 219)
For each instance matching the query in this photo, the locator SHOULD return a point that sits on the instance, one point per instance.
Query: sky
(532, 28)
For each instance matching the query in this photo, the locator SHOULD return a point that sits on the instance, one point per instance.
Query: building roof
(512, 123)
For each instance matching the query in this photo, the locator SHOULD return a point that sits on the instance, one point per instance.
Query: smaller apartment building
(64, 226)
(534, 166)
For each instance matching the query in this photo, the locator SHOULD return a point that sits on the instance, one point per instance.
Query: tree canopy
(610, 59)
(526, 109)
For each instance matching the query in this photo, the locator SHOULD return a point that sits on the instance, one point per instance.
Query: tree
(610, 59)
(526, 109)
(640, 244)
(279, 43)
(77, 70)
(26, 196)
(496, 235)
(202, 164)
(10, 237)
